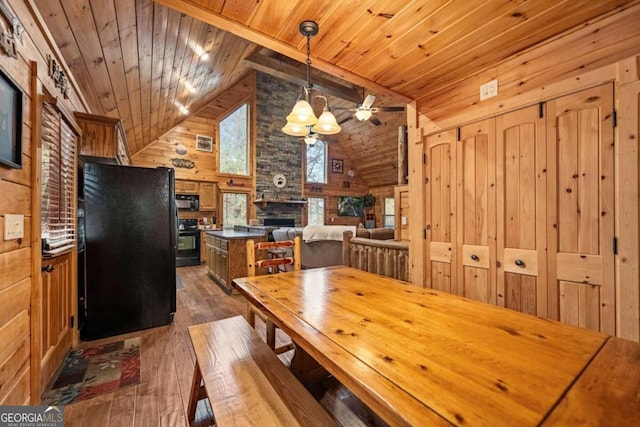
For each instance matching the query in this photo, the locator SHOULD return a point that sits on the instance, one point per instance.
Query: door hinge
(541, 110)
(72, 321)
(615, 245)
(424, 158)
(424, 234)
(615, 118)
(458, 136)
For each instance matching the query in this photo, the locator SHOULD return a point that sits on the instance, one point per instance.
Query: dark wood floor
(167, 361)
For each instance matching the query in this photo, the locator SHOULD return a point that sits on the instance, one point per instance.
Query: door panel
(581, 220)
(476, 208)
(440, 210)
(521, 201)
(56, 313)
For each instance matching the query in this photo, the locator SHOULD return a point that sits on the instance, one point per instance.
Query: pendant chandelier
(302, 121)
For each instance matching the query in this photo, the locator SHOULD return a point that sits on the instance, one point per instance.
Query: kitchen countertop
(232, 234)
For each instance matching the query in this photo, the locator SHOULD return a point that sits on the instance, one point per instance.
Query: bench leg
(195, 394)
(251, 315)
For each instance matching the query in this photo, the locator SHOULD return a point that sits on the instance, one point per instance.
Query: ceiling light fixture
(302, 120)
(363, 114)
(181, 149)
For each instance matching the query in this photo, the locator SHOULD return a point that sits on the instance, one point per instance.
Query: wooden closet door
(521, 211)
(476, 222)
(580, 210)
(440, 210)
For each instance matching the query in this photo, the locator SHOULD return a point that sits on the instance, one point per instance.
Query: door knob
(475, 257)
(48, 268)
(519, 263)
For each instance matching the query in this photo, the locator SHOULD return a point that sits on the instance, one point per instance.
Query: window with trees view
(315, 211)
(389, 212)
(317, 162)
(234, 209)
(234, 142)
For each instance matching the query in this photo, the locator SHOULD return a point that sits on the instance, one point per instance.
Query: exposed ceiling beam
(210, 17)
(298, 74)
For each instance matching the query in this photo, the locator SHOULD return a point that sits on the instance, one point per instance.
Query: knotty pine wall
(592, 55)
(20, 194)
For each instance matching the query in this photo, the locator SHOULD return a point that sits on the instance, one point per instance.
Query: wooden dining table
(417, 356)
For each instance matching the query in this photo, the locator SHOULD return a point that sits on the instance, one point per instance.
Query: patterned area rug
(89, 372)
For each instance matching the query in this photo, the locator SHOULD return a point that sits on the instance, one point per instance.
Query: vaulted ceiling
(140, 60)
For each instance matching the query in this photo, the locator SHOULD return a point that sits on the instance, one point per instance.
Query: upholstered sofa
(323, 252)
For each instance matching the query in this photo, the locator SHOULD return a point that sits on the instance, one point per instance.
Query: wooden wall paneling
(32, 18)
(580, 210)
(89, 44)
(440, 211)
(125, 10)
(628, 205)
(106, 20)
(10, 369)
(521, 211)
(13, 337)
(475, 205)
(160, 24)
(582, 49)
(173, 25)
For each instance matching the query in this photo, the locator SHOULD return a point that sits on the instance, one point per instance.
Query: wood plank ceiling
(136, 59)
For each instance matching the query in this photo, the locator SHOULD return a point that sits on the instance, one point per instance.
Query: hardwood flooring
(167, 361)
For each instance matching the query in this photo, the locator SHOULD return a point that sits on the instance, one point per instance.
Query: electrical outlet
(489, 90)
(13, 227)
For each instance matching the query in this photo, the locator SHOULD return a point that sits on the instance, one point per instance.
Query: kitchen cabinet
(208, 196)
(519, 210)
(186, 187)
(103, 137)
(227, 256)
(203, 246)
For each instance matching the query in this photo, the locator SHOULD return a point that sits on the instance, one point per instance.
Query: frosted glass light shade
(310, 139)
(363, 115)
(295, 129)
(327, 124)
(181, 149)
(302, 114)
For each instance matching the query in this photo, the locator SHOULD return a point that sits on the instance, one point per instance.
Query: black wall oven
(188, 243)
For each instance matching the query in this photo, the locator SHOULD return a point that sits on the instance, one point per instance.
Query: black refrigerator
(130, 249)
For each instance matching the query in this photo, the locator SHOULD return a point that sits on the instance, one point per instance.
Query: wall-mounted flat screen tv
(350, 206)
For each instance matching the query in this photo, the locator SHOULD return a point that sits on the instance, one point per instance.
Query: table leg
(305, 367)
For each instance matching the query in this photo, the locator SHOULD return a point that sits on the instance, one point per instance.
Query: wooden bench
(244, 380)
(384, 257)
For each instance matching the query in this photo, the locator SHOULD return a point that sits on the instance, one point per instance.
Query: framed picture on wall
(337, 165)
(204, 143)
(10, 122)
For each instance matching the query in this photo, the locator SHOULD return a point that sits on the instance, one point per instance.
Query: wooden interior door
(580, 210)
(476, 222)
(521, 211)
(440, 210)
(56, 315)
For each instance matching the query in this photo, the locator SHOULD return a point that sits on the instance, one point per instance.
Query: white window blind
(58, 221)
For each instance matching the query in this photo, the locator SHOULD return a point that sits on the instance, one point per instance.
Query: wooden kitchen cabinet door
(440, 211)
(580, 226)
(521, 211)
(476, 221)
(208, 196)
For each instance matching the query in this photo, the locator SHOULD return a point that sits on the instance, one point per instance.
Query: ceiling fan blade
(375, 109)
(368, 101)
(375, 121)
(343, 108)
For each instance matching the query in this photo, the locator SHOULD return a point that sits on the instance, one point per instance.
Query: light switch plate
(13, 226)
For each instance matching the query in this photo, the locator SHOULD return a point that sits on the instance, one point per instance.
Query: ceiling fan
(363, 112)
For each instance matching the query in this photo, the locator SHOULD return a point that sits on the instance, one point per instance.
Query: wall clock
(279, 180)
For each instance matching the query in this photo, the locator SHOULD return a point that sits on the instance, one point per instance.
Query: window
(234, 142)
(389, 213)
(234, 209)
(58, 179)
(317, 162)
(315, 211)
